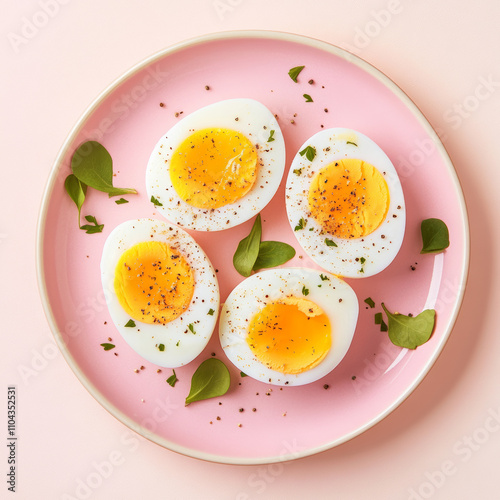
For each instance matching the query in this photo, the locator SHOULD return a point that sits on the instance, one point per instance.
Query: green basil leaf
(210, 380)
(370, 302)
(309, 152)
(379, 320)
(172, 379)
(435, 236)
(77, 191)
(301, 225)
(410, 331)
(294, 72)
(272, 254)
(155, 202)
(108, 347)
(92, 228)
(308, 98)
(248, 250)
(92, 165)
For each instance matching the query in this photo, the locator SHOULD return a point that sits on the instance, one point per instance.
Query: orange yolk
(213, 168)
(349, 198)
(292, 335)
(153, 282)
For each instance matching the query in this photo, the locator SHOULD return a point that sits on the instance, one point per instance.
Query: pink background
(443, 442)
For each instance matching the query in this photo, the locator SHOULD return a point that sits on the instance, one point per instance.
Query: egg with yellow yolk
(218, 166)
(345, 203)
(161, 291)
(288, 326)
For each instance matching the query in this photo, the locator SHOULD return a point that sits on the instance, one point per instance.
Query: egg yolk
(153, 282)
(290, 336)
(349, 198)
(213, 168)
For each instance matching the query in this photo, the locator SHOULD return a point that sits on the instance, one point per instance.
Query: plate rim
(53, 175)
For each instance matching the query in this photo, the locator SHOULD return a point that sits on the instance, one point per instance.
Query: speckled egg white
(181, 345)
(335, 297)
(353, 258)
(258, 125)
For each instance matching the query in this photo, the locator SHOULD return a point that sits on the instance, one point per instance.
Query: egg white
(181, 345)
(378, 248)
(250, 118)
(334, 296)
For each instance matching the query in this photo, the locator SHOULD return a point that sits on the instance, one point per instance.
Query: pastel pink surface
(294, 421)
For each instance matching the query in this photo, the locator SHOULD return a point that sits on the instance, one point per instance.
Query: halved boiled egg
(161, 291)
(288, 326)
(345, 203)
(218, 166)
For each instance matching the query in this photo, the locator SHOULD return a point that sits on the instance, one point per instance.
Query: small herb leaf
(130, 323)
(410, 331)
(77, 191)
(294, 72)
(211, 312)
(324, 278)
(301, 225)
(155, 202)
(161, 347)
(242, 374)
(309, 152)
(271, 136)
(191, 328)
(305, 291)
(92, 164)
(92, 228)
(308, 98)
(370, 302)
(172, 379)
(352, 143)
(297, 171)
(272, 254)
(108, 347)
(210, 380)
(330, 243)
(435, 236)
(248, 250)
(121, 201)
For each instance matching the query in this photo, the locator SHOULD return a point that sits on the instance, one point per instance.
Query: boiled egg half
(345, 203)
(288, 326)
(161, 291)
(217, 167)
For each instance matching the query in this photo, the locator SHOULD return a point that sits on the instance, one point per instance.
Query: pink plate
(375, 377)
